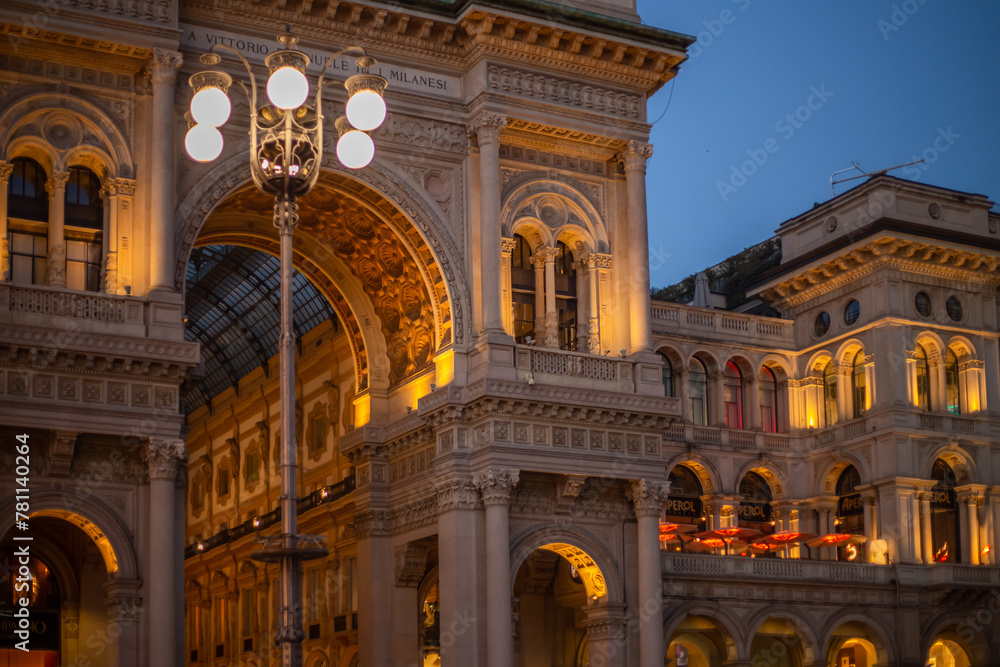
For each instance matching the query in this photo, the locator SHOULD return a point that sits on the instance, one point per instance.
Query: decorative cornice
(163, 458)
(565, 91)
(497, 486)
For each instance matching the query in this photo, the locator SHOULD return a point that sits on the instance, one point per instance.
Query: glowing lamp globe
(365, 110)
(287, 88)
(355, 149)
(210, 106)
(203, 143)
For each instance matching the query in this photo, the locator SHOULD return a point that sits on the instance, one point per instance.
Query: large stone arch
(726, 622)
(423, 259)
(576, 538)
(832, 470)
(804, 633)
(63, 121)
(707, 473)
(95, 512)
(958, 627)
(960, 460)
(882, 640)
(775, 477)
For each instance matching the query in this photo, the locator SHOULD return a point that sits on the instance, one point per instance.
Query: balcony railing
(81, 305)
(673, 318)
(714, 435)
(326, 494)
(677, 564)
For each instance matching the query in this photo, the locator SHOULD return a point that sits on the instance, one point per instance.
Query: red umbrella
(836, 540)
(730, 533)
(786, 538)
(676, 528)
(714, 543)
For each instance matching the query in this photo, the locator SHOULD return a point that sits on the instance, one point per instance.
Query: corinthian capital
(5, 169)
(163, 66)
(646, 496)
(486, 127)
(56, 182)
(163, 457)
(634, 156)
(497, 486)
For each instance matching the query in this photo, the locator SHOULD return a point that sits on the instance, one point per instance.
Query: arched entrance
(569, 600)
(948, 652)
(700, 641)
(855, 643)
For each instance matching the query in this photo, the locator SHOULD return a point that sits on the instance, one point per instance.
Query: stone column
(634, 157)
(264, 638)
(605, 625)
(163, 68)
(507, 289)
(374, 582)
(973, 528)
(583, 280)
(5, 170)
(486, 128)
(459, 566)
(162, 458)
(56, 187)
(646, 497)
(915, 528)
(599, 272)
(538, 262)
(122, 603)
(871, 526)
(925, 527)
(751, 402)
(70, 631)
(551, 315)
(497, 488)
(716, 399)
(117, 194)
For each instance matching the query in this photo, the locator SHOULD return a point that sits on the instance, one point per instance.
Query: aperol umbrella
(728, 535)
(713, 543)
(676, 528)
(786, 538)
(837, 540)
(668, 538)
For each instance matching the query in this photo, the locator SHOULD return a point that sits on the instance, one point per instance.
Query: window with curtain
(698, 391)
(667, 375)
(566, 301)
(953, 387)
(922, 395)
(768, 389)
(522, 278)
(829, 394)
(733, 395)
(859, 387)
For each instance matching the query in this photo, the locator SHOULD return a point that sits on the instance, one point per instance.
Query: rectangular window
(249, 612)
(219, 625)
(350, 590)
(315, 595)
(524, 316)
(253, 467)
(83, 265)
(28, 258)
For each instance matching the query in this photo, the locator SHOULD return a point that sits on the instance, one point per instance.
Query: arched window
(668, 376)
(566, 302)
(755, 502)
(84, 207)
(26, 196)
(683, 505)
(829, 394)
(733, 396)
(859, 397)
(27, 203)
(922, 393)
(945, 529)
(850, 513)
(953, 386)
(698, 391)
(522, 278)
(768, 401)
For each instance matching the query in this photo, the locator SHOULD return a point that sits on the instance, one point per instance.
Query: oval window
(954, 308)
(822, 324)
(852, 312)
(923, 304)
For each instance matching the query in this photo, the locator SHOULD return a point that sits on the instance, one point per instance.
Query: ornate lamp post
(286, 151)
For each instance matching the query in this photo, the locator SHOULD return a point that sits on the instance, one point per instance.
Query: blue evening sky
(888, 81)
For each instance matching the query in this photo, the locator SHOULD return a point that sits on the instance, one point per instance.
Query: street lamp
(286, 152)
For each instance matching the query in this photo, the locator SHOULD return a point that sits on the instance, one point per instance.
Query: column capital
(633, 157)
(118, 186)
(456, 494)
(497, 486)
(538, 260)
(56, 181)
(597, 260)
(371, 523)
(486, 128)
(5, 170)
(163, 457)
(163, 66)
(507, 245)
(647, 496)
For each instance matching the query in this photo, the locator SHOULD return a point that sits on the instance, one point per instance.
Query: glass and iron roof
(232, 308)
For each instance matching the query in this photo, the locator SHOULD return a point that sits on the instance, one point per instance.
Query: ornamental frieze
(565, 91)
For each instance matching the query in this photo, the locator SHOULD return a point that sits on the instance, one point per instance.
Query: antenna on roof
(864, 173)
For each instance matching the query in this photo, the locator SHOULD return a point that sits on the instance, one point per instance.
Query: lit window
(667, 376)
(522, 278)
(698, 391)
(953, 386)
(733, 396)
(566, 302)
(923, 379)
(829, 394)
(859, 388)
(768, 401)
